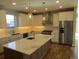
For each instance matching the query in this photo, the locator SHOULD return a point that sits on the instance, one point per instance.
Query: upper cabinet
(23, 20)
(66, 16)
(56, 19)
(2, 18)
(62, 16)
(37, 20)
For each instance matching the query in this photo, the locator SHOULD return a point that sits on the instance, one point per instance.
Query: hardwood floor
(1, 56)
(57, 52)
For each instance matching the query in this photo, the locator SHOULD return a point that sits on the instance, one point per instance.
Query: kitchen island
(28, 48)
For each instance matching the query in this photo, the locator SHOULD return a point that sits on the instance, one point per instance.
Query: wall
(49, 27)
(74, 26)
(2, 18)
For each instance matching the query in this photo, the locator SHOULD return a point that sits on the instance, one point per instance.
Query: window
(10, 20)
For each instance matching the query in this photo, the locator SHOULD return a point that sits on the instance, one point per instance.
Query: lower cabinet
(39, 53)
(55, 35)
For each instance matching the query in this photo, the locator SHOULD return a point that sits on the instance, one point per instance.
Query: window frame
(14, 21)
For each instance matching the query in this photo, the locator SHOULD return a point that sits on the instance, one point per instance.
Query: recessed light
(26, 7)
(60, 6)
(57, 1)
(34, 10)
(13, 3)
(46, 9)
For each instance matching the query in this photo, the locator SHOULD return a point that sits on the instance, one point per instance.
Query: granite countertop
(4, 35)
(8, 35)
(27, 46)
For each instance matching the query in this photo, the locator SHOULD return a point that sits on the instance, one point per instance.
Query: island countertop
(28, 46)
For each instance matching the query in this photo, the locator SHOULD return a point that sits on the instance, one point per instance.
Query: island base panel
(38, 54)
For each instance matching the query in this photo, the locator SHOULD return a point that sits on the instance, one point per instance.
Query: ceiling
(37, 4)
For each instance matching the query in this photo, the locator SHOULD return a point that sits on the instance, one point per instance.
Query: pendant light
(29, 14)
(44, 18)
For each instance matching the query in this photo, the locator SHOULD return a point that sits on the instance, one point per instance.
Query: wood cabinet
(66, 16)
(62, 16)
(56, 19)
(37, 20)
(23, 20)
(55, 35)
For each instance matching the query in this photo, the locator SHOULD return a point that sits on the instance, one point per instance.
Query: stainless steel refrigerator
(66, 32)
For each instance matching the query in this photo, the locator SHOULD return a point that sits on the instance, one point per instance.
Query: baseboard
(54, 42)
(61, 43)
(65, 44)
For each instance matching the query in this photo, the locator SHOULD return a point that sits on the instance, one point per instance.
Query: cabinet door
(56, 20)
(37, 20)
(66, 16)
(23, 20)
(55, 35)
